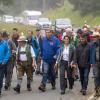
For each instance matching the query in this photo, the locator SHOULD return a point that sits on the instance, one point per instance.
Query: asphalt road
(50, 94)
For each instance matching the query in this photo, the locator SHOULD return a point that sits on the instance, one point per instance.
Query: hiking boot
(62, 92)
(17, 89)
(42, 88)
(84, 92)
(29, 87)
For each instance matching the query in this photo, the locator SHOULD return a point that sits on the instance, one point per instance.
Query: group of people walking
(66, 52)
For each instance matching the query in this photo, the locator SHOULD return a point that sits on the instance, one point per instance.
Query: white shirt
(23, 57)
(37, 39)
(66, 53)
(32, 52)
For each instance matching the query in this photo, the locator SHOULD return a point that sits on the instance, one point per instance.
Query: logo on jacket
(51, 43)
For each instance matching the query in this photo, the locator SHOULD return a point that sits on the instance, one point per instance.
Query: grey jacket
(72, 54)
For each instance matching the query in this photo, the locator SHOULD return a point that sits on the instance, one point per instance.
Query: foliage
(67, 12)
(87, 6)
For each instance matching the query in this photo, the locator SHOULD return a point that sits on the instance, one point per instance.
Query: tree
(86, 6)
(6, 2)
(15, 7)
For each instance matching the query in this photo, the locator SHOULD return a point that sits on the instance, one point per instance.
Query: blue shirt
(4, 52)
(50, 48)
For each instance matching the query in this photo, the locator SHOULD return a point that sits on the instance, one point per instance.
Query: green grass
(67, 12)
(21, 28)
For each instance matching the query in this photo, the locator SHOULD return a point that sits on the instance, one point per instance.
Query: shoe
(70, 87)
(0, 94)
(66, 83)
(17, 89)
(53, 86)
(29, 87)
(77, 77)
(41, 73)
(42, 88)
(81, 90)
(84, 92)
(37, 72)
(6, 87)
(62, 92)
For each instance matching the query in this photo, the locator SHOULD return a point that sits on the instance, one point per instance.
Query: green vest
(28, 54)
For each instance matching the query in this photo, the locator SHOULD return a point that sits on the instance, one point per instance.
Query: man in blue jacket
(38, 39)
(4, 57)
(50, 48)
(32, 41)
(95, 62)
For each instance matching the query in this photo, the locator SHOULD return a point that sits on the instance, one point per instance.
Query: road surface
(50, 94)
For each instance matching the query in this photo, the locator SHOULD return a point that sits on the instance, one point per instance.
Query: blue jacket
(4, 52)
(93, 52)
(35, 45)
(50, 48)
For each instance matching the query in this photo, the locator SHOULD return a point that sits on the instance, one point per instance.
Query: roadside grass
(22, 28)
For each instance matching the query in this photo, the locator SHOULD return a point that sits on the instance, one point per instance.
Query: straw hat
(96, 34)
(22, 38)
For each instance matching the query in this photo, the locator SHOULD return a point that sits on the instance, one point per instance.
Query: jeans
(96, 73)
(38, 62)
(64, 67)
(8, 73)
(48, 73)
(84, 76)
(2, 72)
